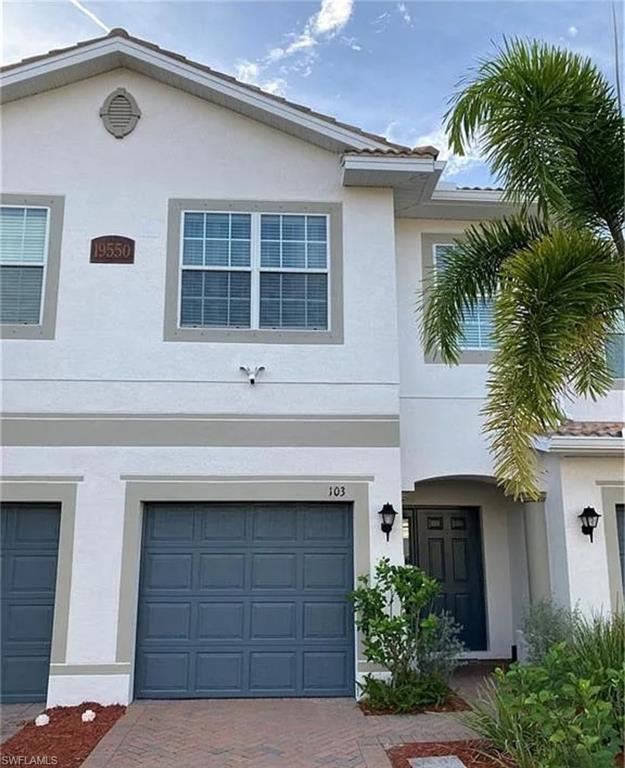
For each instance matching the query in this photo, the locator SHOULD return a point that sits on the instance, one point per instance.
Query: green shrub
(596, 647)
(416, 694)
(549, 715)
(401, 633)
(546, 624)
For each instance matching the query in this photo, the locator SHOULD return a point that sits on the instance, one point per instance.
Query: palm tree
(550, 128)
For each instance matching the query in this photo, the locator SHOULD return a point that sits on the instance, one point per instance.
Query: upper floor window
(615, 350)
(30, 238)
(244, 270)
(23, 254)
(477, 326)
(264, 272)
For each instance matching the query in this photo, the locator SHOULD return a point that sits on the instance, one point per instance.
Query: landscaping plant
(546, 624)
(565, 709)
(400, 631)
(548, 124)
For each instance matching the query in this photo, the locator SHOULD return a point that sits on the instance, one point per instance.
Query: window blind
(293, 278)
(23, 251)
(477, 325)
(216, 270)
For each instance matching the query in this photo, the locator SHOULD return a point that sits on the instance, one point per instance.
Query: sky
(388, 67)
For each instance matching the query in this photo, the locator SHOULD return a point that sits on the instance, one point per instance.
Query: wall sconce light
(388, 518)
(590, 518)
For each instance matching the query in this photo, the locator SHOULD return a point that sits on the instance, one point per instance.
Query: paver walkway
(261, 733)
(12, 717)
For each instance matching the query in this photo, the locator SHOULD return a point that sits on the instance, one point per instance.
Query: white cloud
(352, 43)
(332, 17)
(456, 164)
(249, 72)
(277, 86)
(300, 48)
(404, 13)
(573, 31)
(246, 71)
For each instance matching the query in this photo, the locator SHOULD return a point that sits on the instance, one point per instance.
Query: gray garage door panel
(30, 536)
(245, 600)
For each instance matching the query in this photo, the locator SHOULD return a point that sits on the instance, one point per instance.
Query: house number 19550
(336, 490)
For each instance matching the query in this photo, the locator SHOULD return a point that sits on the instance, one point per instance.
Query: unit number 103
(336, 490)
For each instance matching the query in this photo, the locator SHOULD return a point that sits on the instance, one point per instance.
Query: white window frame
(255, 269)
(463, 348)
(26, 264)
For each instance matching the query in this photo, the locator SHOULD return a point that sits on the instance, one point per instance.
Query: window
(620, 525)
(217, 289)
(615, 350)
(478, 323)
(255, 271)
(23, 255)
(293, 271)
(215, 286)
(31, 229)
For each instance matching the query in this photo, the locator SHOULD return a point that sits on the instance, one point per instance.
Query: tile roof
(590, 428)
(398, 149)
(482, 189)
(426, 151)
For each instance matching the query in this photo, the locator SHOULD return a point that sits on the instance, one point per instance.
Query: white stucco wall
(579, 569)
(108, 354)
(441, 426)
(100, 505)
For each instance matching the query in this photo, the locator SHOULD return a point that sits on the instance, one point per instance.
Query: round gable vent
(120, 113)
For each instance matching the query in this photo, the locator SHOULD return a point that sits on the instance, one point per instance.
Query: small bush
(546, 624)
(548, 715)
(399, 631)
(413, 695)
(596, 647)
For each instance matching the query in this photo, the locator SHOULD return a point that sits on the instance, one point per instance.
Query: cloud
(245, 70)
(456, 164)
(249, 72)
(352, 43)
(299, 50)
(404, 13)
(573, 31)
(90, 15)
(332, 17)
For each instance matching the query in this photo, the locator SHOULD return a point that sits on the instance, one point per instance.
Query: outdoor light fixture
(590, 518)
(388, 518)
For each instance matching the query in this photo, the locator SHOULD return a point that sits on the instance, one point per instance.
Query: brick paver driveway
(261, 733)
(13, 717)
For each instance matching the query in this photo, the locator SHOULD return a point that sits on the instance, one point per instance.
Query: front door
(447, 544)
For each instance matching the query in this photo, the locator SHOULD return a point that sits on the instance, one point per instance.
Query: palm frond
(548, 124)
(472, 274)
(558, 297)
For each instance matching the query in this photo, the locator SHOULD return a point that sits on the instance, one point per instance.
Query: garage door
(245, 600)
(30, 539)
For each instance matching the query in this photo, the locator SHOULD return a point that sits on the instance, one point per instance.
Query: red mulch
(474, 754)
(453, 704)
(65, 738)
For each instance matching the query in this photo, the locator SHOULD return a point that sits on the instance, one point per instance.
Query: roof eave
(576, 445)
(103, 54)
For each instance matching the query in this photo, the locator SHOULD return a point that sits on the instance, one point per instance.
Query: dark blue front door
(28, 552)
(447, 544)
(245, 600)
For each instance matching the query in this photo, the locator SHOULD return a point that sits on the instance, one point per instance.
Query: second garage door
(245, 600)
